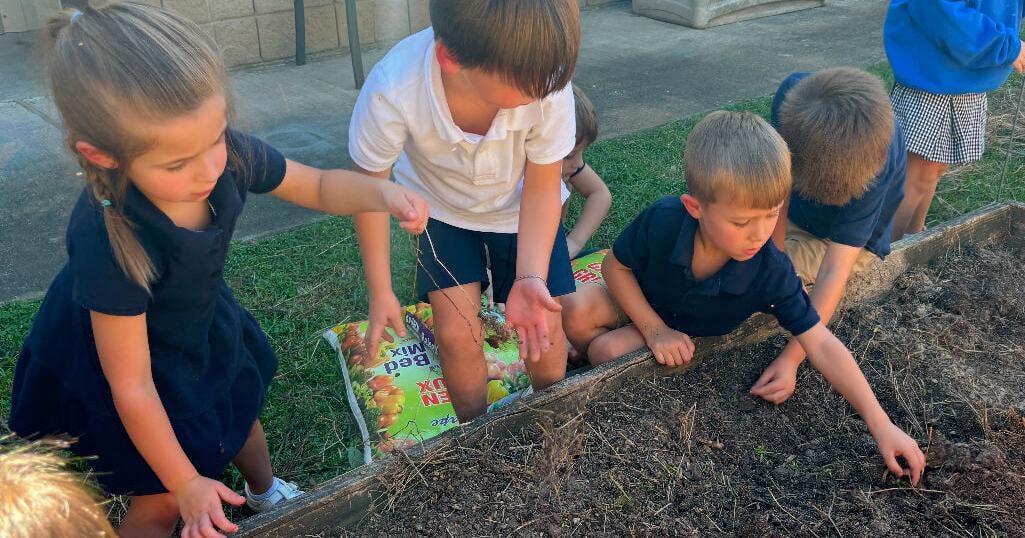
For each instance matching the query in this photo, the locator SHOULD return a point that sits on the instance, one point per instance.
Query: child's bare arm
(834, 361)
(374, 236)
(670, 347)
(344, 192)
(778, 381)
(529, 298)
(123, 347)
(597, 202)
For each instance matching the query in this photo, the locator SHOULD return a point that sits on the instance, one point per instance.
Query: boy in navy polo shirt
(847, 187)
(700, 264)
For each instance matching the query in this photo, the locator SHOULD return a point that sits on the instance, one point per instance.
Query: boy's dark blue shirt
(658, 246)
(866, 221)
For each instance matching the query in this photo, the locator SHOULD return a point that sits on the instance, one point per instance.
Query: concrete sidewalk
(639, 72)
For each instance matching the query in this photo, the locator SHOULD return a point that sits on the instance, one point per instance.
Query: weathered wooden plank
(344, 500)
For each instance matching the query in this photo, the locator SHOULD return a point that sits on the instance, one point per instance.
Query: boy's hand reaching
(893, 442)
(408, 207)
(670, 347)
(385, 312)
(777, 382)
(527, 310)
(199, 501)
(1019, 62)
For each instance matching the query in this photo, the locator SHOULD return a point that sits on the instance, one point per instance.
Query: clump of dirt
(695, 455)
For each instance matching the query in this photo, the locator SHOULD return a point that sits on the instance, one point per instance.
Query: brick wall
(253, 31)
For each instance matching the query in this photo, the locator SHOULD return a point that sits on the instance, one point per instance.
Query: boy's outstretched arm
(597, 202)
(670, 347)
(374, 235)
(834, 361)
(778, 381)
(529, 299)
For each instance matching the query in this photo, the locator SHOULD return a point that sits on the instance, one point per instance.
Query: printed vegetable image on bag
(399, 397)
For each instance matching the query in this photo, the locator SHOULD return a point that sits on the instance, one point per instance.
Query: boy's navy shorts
(467, 253)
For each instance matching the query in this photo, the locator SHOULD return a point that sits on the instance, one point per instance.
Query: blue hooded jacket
(952, 46)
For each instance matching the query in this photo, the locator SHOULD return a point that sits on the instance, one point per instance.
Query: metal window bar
(352, 29)
(300, 32)
(354, 49)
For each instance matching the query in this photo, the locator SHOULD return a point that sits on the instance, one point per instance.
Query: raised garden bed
(635, 448)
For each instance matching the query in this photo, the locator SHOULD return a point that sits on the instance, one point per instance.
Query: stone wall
(253, 31)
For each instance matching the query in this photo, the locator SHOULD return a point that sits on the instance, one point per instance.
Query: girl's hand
(199, 501)
(893, 442)
(407, 206)
(1019, 62)
(670, 347)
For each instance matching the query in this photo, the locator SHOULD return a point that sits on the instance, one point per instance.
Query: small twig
(712, 521)
(787, 512)
(916, 490)
(517, 529)
(829, 517)
(469, 324)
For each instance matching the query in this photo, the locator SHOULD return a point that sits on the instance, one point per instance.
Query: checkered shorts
(941, 128)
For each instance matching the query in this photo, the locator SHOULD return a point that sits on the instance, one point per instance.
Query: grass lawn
(303, 281)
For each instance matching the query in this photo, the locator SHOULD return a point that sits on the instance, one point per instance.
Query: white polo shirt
(401, 118)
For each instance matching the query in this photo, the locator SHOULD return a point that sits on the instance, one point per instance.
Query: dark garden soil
(695, 455)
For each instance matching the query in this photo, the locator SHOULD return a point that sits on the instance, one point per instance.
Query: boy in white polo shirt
(476, 114)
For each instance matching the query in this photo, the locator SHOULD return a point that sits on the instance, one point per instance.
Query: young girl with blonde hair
(139, 349)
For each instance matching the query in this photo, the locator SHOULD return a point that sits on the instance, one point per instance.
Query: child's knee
(574, 314)
(610, 346)
(602, 350)
(578, 313)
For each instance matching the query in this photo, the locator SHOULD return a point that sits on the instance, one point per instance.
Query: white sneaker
(279, 491)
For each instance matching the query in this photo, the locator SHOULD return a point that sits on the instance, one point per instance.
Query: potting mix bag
(587, 269)
(399, 396)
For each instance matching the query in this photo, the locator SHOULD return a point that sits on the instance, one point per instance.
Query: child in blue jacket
(946, 54)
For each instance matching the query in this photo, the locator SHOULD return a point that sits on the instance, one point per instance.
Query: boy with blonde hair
(476, 115)
(847, 187)
(700, 264)
(40, 497)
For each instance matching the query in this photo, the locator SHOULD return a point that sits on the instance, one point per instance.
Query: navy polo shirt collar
(734, 278)
(224, 200)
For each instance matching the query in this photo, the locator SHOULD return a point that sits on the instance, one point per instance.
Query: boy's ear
(446, 60)
(692, 205)
(95, 155)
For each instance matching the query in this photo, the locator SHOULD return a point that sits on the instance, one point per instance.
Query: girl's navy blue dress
(211, 362)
